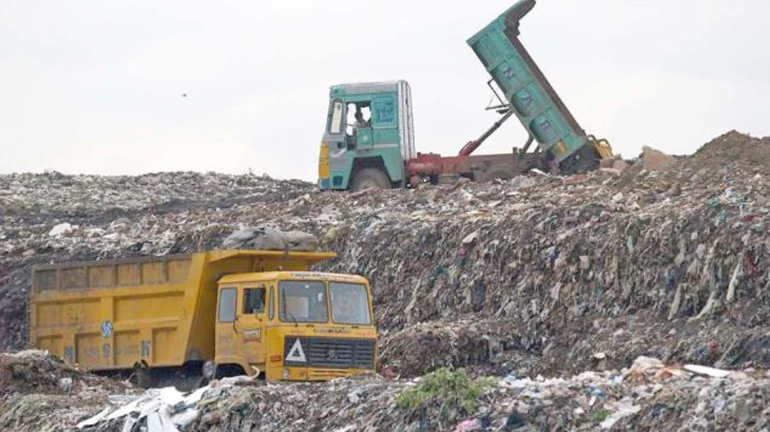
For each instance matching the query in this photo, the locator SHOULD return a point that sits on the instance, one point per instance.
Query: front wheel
(369, 178)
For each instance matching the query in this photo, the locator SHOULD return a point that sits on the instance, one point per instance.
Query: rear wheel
(143, 376)
(584, 160)
(370, 178)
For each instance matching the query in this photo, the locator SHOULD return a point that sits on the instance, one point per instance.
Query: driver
(360, 122)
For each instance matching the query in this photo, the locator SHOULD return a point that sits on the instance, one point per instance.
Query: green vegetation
(456, 393)
(602, 415)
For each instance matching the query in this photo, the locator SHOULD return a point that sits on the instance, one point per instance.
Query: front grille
(326, 374)
(329, 352)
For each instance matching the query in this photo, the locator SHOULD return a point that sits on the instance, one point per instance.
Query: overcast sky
(92, 86)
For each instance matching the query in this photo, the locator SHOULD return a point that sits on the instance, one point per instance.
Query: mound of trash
(572, 271)
(733, 149)
(38, 372)
(39, 392)
(647, 395)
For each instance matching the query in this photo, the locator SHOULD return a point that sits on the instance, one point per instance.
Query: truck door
(250, 324)
(359, 130)
(226, 348)
(334, 159)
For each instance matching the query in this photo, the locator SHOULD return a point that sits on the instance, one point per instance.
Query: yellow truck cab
(208, 314)
(298, 326)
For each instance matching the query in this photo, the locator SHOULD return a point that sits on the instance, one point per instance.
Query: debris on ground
(35, 371)
(39, 392)
(162, 410)
(451, 400)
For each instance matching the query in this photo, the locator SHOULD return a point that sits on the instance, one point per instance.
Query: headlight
(286, 374)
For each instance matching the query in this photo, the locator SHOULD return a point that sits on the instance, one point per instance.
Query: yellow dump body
(107, 315)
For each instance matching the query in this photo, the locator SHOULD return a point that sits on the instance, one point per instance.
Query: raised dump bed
(532, 98)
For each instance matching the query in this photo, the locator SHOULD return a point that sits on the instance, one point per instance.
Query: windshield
(303, 301)
(350, 303)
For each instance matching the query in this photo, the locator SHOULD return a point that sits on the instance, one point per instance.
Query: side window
(359, 116)
(253, 300)
(227, 298)
(335, 124)
(271, 309)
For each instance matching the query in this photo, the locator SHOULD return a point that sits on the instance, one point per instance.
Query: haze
(97, 86)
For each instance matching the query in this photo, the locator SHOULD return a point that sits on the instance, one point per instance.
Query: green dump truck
(379, 151)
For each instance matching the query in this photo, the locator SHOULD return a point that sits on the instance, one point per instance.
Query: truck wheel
(143, 377)
(587, 159)
(370, 178)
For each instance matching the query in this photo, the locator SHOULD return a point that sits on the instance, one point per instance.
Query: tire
(586, 159)
(370, 178)
(143, 377)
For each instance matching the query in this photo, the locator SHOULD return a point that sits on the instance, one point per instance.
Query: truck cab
(295, 326)
(370, 152)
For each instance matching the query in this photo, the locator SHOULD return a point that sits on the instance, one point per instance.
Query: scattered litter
(705, 370)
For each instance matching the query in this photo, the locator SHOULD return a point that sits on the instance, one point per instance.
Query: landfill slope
(587, 402)
(39, 392)
(664, 258)
(654, 259)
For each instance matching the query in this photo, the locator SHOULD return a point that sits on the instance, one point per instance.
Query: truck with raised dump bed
(206, 315)
(369, 138)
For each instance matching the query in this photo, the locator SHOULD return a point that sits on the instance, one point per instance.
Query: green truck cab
(371, 153)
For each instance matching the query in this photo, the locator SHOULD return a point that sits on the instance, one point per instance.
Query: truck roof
(364, 88)
(213, 256)
(306, 275)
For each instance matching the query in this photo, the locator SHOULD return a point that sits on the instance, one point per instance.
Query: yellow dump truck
(206, 315)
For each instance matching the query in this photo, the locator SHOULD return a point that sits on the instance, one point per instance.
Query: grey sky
(96, 86)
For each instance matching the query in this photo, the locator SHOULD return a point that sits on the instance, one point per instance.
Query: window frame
(245, 304)
(271, 302)
(282, 305)
(234, 304)
(340, 123)
(367, 303)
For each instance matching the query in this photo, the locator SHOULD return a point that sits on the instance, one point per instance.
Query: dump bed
(531, 96)
(159, 310)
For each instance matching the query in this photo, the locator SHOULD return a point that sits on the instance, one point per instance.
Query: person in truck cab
(360, 122)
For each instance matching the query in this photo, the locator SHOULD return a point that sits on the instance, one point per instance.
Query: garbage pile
(160, 410)
(38, 392)
(577, 270)
(34, 371)
(56, 213)
(649, 395)
(485, 346)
